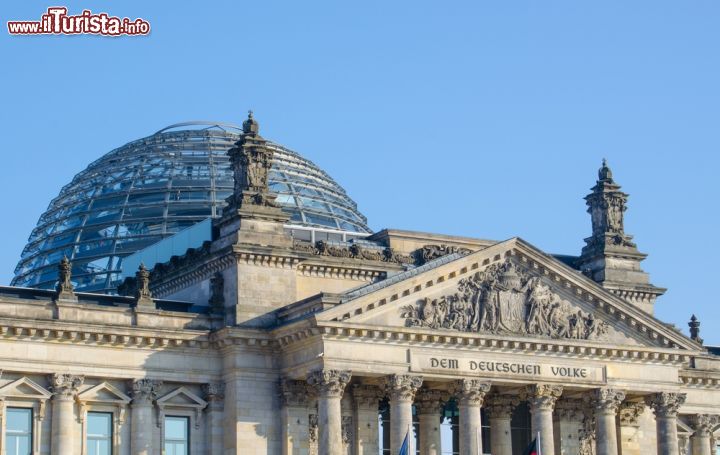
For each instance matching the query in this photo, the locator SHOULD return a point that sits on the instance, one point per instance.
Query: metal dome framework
(154, 187)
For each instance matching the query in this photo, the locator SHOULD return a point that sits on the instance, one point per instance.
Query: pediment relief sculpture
(505, 299)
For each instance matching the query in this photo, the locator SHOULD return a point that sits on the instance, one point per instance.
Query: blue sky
(484, 119)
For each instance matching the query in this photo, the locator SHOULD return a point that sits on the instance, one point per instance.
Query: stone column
(541, 399)
(329, 386)
(366, 399)
(64, 388)
(144, 392)
(295, 416)
(429, 404)
(470, 394)
(215, 397)
(605, 402)
(499, 410)
(702, 425)
(629, 419)
(665, 405)
(400, 389)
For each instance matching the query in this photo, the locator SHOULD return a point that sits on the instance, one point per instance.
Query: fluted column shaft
(702, 424)
(542, 398)
(401, 389)
(606, 402)
(144, 392)
(666, 405)
(429, 404)
(64, 388)
(499, 411)
(470, 394)
(329, 386)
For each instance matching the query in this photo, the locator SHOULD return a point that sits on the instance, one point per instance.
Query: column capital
(430, 401)
(65, 386)
(145, 391)
(471, 391)
(606, 400)
(294, 392)
(366, 395)
(542, 396)
(329, 383)
(214, 393)
(702, 424)
(630, 412)
(666, 404)
(501, 406)
(402, 387)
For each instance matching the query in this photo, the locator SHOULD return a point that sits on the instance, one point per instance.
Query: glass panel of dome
(102, 216)
(102, 247)
(60, 240)
(151, 182)
(315, 204)
(106, 202)
(140, 212)
(189, 195)
(320, 219)
(196, 210)
(146, 198)
(131, 245)
(285, 199)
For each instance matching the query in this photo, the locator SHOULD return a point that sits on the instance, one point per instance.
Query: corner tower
(610, 257)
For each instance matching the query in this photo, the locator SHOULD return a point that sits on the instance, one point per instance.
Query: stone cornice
(695, 379)
(416, 337)
(99, 335)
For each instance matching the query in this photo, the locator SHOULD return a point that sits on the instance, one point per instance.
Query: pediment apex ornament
(329, 383)
(505, 299)
(471, 391)
(666, 404)
(402, 387)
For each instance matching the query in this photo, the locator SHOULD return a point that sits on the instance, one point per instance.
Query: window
(177, 440)
(99, 433)
(18, 431)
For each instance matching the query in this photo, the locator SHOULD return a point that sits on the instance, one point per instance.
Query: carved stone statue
(505, 299)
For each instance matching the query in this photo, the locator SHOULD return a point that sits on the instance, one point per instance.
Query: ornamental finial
(251, 126)
(694, 325)
(605, 174)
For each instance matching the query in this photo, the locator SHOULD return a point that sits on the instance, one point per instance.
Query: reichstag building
(204, 290)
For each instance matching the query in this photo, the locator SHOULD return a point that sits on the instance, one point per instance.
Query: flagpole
(539, 447)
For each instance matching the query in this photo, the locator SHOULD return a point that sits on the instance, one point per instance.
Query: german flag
(533, 448)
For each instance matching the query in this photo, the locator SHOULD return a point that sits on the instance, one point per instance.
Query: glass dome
(154, 187)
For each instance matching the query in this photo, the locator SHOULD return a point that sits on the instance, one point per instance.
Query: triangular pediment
(24, 388)
(104, 393)
(181, 397)
(510, 289)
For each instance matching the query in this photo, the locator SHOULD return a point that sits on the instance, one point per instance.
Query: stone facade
(270, 346)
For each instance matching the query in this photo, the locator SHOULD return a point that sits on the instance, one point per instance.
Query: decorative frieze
(329, 383)
(504, 298)
(402, 387)
(347, 250)
(666, 404)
